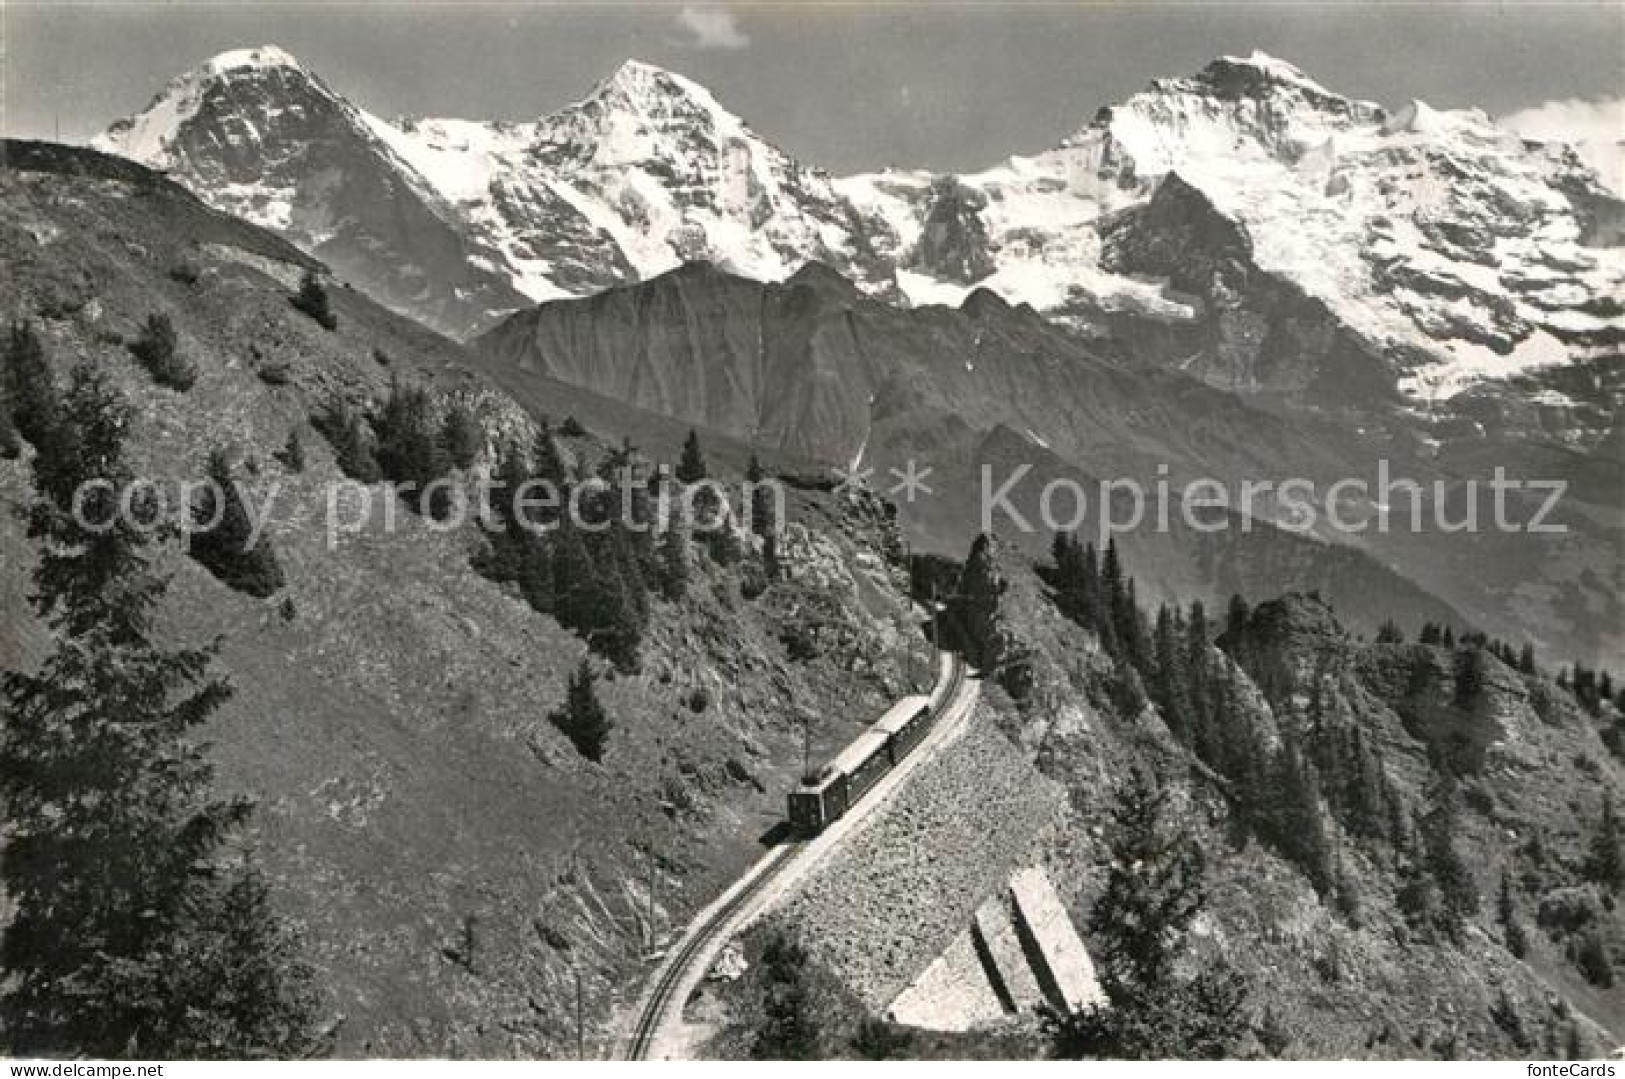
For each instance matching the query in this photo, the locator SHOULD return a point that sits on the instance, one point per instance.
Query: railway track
(682, 969)
(667, 997)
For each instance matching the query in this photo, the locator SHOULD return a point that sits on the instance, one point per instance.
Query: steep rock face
(953, 242)
(1252, 330)
(814, 367)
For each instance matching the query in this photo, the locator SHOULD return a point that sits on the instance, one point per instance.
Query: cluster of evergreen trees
(593, 575)
(1590, 687)
(1278, 792)
(138, 929)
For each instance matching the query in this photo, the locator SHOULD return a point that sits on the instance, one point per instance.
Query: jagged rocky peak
(641, 113)
(220, 116)
(1259, 75)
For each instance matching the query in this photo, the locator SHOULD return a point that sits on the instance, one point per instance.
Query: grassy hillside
(450, 857)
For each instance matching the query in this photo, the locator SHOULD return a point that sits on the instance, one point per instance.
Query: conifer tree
(409, 447)
(1458, 895)
(759, 509)
(1512, 931)
(1526, 660)
(1297, 823)
(351, 438)
(1172, 674)
(574, 585)
(1604, 862)
(461, 437)
(292, 454)
(502, 520)
(547, 463)
(691, 465)
(1154, 890)
(674, 561)
(135, 930)
(158, 351)
(312, 300)
(222, 547)
(583, 719)
(29, 388)
(11, 443)
(1237, 616)
(790, 1019)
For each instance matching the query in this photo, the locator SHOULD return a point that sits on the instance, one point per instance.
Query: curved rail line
(666, 995)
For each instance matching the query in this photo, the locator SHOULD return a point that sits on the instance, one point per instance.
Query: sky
(847, 86)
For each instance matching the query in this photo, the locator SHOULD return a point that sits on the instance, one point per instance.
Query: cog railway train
(827, 794)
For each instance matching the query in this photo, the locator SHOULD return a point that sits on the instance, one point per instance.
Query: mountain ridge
(1460, 253)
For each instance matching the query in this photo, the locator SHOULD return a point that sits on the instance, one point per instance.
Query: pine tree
(1237, 616)
(1458, 895)
(535, 573)
(11, 443)
(547, 464)
(574, 584)
(691, 465)
(1526, 660)
(759, 510)
(1296, 822)
(292, 455)
(312, 300)
(1172, 675)
(674, 561)
(582, 719)
(158, 352)
(134, 933)
(352, 440)
(29, 388)
(1390, 633)
(1604, 863)
(221, 544)
(462, 439)
(505, 530)
(1154, 890)
(789, 1019)
(621, 610)
(409, 448)
(1469, 678)
(1512, 931)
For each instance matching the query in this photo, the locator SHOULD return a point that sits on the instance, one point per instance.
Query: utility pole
(649, 888)
(806, 745)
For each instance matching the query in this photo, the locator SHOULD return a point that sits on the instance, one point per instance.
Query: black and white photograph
(644, 530)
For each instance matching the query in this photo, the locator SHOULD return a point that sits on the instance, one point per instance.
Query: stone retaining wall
(908, 880)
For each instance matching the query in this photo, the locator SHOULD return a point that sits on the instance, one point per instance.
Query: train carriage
(858, 767)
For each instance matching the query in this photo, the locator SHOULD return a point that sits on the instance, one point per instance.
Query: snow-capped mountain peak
(266, 56)
(1431, 238)
(152, 135)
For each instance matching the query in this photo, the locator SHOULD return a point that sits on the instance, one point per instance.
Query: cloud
(1595, 128)
(711, 28)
